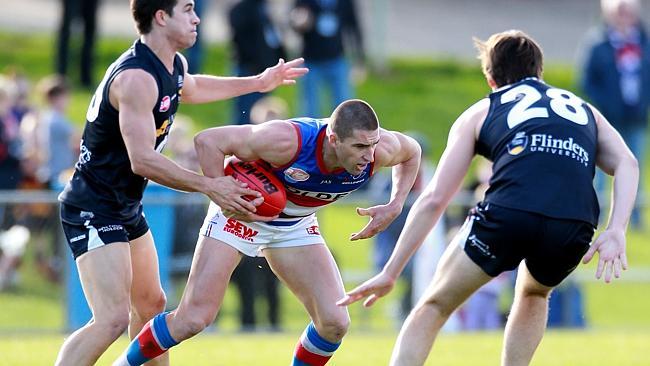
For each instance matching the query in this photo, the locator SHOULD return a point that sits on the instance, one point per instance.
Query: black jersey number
(565, 104)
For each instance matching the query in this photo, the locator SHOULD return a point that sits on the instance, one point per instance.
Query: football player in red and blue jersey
(319, 162)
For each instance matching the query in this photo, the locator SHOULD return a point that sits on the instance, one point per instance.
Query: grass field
(422, 95)
(591, 348)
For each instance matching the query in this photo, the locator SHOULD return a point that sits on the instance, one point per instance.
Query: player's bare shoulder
(277, 141)
(473, 117)
(394, 147)
(133, 85)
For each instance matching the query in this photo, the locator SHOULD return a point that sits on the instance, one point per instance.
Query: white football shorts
(250, 238)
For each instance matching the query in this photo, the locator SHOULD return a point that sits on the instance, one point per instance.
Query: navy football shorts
(498, 238)
(85, 230)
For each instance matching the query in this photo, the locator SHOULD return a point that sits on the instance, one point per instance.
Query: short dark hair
(509, 57)
(143, 12)
(351, 115)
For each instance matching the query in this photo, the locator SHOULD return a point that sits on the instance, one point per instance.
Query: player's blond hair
(509, 57)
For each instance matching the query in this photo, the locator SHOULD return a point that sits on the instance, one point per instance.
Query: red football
(261, 179)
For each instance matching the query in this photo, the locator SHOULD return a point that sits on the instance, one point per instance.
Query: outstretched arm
(403, 154)
(614, 158)
(208, 88)
(428, 208)
(133, 93)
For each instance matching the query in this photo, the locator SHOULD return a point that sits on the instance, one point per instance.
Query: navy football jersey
(103, 181)
(542, 141)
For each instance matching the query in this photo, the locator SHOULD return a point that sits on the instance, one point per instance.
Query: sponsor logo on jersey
(295, 175)
(77, 238)
(180, 81)
(108, 228)
(298, 195)
(313, 230)
(518, 144)
(481, 246)
(356, 179)
(86, 215)
(359, 176)
(239, 230)
(165, 103)
(84, 153)
(164, 128)
(546, 143)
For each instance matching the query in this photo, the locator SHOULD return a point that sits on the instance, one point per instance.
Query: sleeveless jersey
(542, 141)
(308, 183)
(103, 181)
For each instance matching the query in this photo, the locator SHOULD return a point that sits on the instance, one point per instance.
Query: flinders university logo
(518, 144)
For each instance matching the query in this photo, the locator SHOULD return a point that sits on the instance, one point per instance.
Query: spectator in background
(325, 26)
(86, 12)
(385, 240)
(195, 53)
(21, 88)
(253, 276)
(13, 237)
(188, 214)
(49, 154)
(59, 137)
(257, 45)
(10, 144)
(482, 310)
(616, 77)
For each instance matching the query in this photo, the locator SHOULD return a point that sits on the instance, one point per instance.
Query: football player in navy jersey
(127, 126)
(539, 213)
(319, 161)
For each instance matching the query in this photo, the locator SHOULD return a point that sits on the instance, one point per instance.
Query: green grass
(468, 349)
(414, 94)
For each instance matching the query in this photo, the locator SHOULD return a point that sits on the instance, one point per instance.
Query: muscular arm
(275, 142)
(208, 88)
(428, 208)
(402, 153)
(615, 159)
(134, 94)
(449, 175)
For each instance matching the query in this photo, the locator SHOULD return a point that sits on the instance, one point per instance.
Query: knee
(334, 328)
(146, 307)
(112, 324)
(434, 307)
(193, 321)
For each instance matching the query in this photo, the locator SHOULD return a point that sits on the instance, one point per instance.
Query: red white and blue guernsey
(308, 183)
(309, 186)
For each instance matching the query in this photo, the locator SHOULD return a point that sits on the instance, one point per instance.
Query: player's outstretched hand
(373, 289)
(380, 217)
(283, 73)
(610, 246)
(227, 193)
